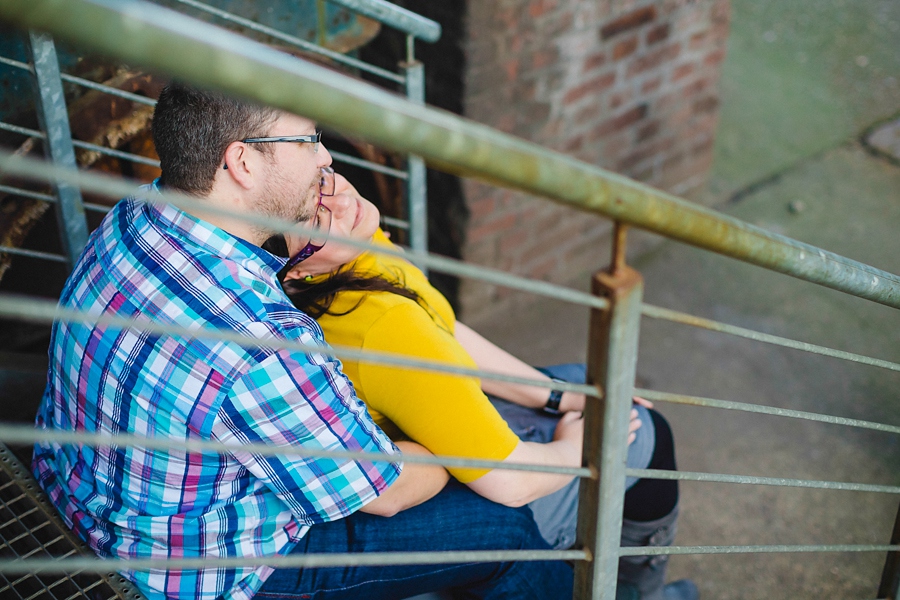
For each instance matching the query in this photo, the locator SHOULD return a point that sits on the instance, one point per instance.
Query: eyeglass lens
(326, 182)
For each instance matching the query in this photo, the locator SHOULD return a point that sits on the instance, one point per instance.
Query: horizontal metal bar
(661, 550)
(24, 434)
(101, 208)
(33, 254)
(763, 410)
(747, 479)
(86, 83)
(84, 145)
(22, 130)
(397, 17)
(293, 561)
(117, 188)
(180, 46)
(294, 41)
(46, 311)
(367, 164)
(117, 153)
(27, 193)
(391, 221)
(656, 312)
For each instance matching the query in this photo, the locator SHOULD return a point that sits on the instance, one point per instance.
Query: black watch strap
(554, 399)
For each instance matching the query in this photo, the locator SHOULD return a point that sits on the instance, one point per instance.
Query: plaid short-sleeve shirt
(164, 265)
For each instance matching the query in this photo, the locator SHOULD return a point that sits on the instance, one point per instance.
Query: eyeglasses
(321, 221)
(315, 138)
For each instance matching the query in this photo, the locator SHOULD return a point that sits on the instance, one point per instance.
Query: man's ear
(239, 164)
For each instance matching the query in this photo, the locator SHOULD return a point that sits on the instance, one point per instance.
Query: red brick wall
(630, 85)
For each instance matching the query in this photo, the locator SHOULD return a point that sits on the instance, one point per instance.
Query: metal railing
(470, 149)
(59, 144)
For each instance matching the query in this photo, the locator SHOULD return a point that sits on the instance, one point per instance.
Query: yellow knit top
(447, 414)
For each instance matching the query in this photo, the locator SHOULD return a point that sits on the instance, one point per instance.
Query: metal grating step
(31, 528)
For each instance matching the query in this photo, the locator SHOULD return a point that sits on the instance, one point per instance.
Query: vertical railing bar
(416, 185)
(890, 576)
(410, 48)
(612, 363)
(54, 120)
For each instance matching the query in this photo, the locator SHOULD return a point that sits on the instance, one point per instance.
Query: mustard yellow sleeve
(447, 414)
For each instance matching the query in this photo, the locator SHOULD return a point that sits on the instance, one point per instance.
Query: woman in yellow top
(382, 303)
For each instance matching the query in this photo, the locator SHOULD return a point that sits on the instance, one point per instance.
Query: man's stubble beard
(280, 199)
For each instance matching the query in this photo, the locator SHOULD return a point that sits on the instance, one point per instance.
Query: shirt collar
(209, 238)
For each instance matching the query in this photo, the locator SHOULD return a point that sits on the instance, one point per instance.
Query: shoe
(643, 577)
(683, 589)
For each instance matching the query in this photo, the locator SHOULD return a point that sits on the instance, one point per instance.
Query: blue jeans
(556, 514)
(455, 519)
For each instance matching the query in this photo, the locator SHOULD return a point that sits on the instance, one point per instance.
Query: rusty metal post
(890, 577)
(612, 361)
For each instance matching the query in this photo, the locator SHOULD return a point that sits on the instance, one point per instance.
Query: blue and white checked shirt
(164, 265)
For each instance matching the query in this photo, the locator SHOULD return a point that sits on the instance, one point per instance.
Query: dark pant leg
(455, 519)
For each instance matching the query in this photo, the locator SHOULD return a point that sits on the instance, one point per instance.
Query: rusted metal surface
(612, 362)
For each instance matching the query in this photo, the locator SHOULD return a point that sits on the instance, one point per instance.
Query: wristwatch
(554, 399)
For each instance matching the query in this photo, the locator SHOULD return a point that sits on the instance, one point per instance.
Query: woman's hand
(570, 429)
(635, 422)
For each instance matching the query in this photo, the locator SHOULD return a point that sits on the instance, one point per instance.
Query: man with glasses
(201, 270)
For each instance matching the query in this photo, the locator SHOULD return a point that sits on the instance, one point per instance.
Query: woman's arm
(490, 357)
(416, 484)
(451, 416)
(517, 488)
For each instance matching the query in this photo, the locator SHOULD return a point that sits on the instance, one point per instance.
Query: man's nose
(323, 156)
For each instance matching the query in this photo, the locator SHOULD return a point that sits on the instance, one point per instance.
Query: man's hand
(416, 484)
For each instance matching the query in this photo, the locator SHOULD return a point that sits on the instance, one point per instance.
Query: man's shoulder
(135, 266)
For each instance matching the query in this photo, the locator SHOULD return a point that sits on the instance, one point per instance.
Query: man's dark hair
(192, 128)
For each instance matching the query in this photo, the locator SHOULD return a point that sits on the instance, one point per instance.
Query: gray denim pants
(556, 514)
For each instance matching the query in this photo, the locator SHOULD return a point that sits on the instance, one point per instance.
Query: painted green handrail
(145, 34)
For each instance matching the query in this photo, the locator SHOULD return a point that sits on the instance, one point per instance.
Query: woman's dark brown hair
(315, 299)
